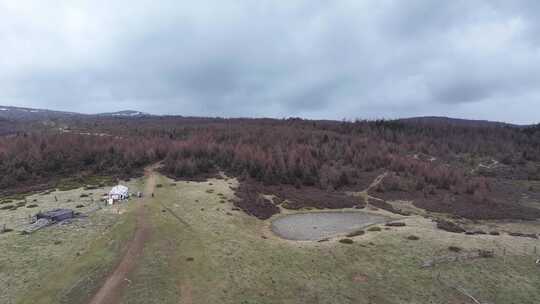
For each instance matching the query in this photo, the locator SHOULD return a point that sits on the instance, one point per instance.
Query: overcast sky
(313, 59)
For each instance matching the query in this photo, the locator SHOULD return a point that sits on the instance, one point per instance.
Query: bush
(388, 207)
(84, 195)
(454, 248)
(494, 233)
(374, 228)
(449, 226)
(485, 253)
(396, 224)
(413, 238)
(356, 233)
(159, 185)
(346, 241)
(79, 206)
(32, 206)
(529, 235)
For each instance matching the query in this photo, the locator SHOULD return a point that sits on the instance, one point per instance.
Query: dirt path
(376, 182)
(186, 296)
(115, 284)
(365, 193)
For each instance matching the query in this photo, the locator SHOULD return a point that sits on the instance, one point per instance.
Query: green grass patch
(81, 275)
(88, 182)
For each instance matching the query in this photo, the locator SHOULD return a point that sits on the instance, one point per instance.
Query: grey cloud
(318, 59)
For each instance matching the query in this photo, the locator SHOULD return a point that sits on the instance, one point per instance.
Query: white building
(117, 193)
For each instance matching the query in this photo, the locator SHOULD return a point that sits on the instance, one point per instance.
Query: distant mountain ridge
(441, 120)
(125, 113)
(21, 113)
(10, 113)
(25, 114)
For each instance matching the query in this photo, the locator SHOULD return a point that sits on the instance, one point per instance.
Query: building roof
(119, 190)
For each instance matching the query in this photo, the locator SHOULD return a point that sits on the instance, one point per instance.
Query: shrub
(494, 233)
(529, 235)
(485, 253)
(449, 226)
(84, 195)
(346, 241)
(413, 238)
(396, 224)
(374, 228)
(388, 207)
(32, 206)
(159, 185)
(356, 233)
(79, 206)
(455, 248)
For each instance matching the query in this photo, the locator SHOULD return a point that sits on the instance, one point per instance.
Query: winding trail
(365, 193)
(115, 284)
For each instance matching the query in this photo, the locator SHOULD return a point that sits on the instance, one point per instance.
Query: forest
(469, 171)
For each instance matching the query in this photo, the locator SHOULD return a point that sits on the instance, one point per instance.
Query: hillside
(466, 168)
(25, 114)
(439, 120)
(451, 197)
(125, 113)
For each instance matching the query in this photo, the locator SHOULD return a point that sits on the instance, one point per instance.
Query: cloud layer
(315, 59)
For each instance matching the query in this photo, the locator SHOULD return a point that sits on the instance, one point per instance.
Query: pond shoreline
(314, 226)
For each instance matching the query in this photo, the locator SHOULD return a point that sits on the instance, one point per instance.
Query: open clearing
(202, 250)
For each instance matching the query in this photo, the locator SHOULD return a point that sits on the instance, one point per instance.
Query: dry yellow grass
(203, 251)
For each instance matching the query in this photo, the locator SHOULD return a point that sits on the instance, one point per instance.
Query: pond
(319, 225)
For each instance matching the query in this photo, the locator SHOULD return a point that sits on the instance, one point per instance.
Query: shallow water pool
(319, 225)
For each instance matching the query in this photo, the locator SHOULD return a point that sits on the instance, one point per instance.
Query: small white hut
(118, 193)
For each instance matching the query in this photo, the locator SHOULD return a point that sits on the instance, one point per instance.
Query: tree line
(327, 155)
